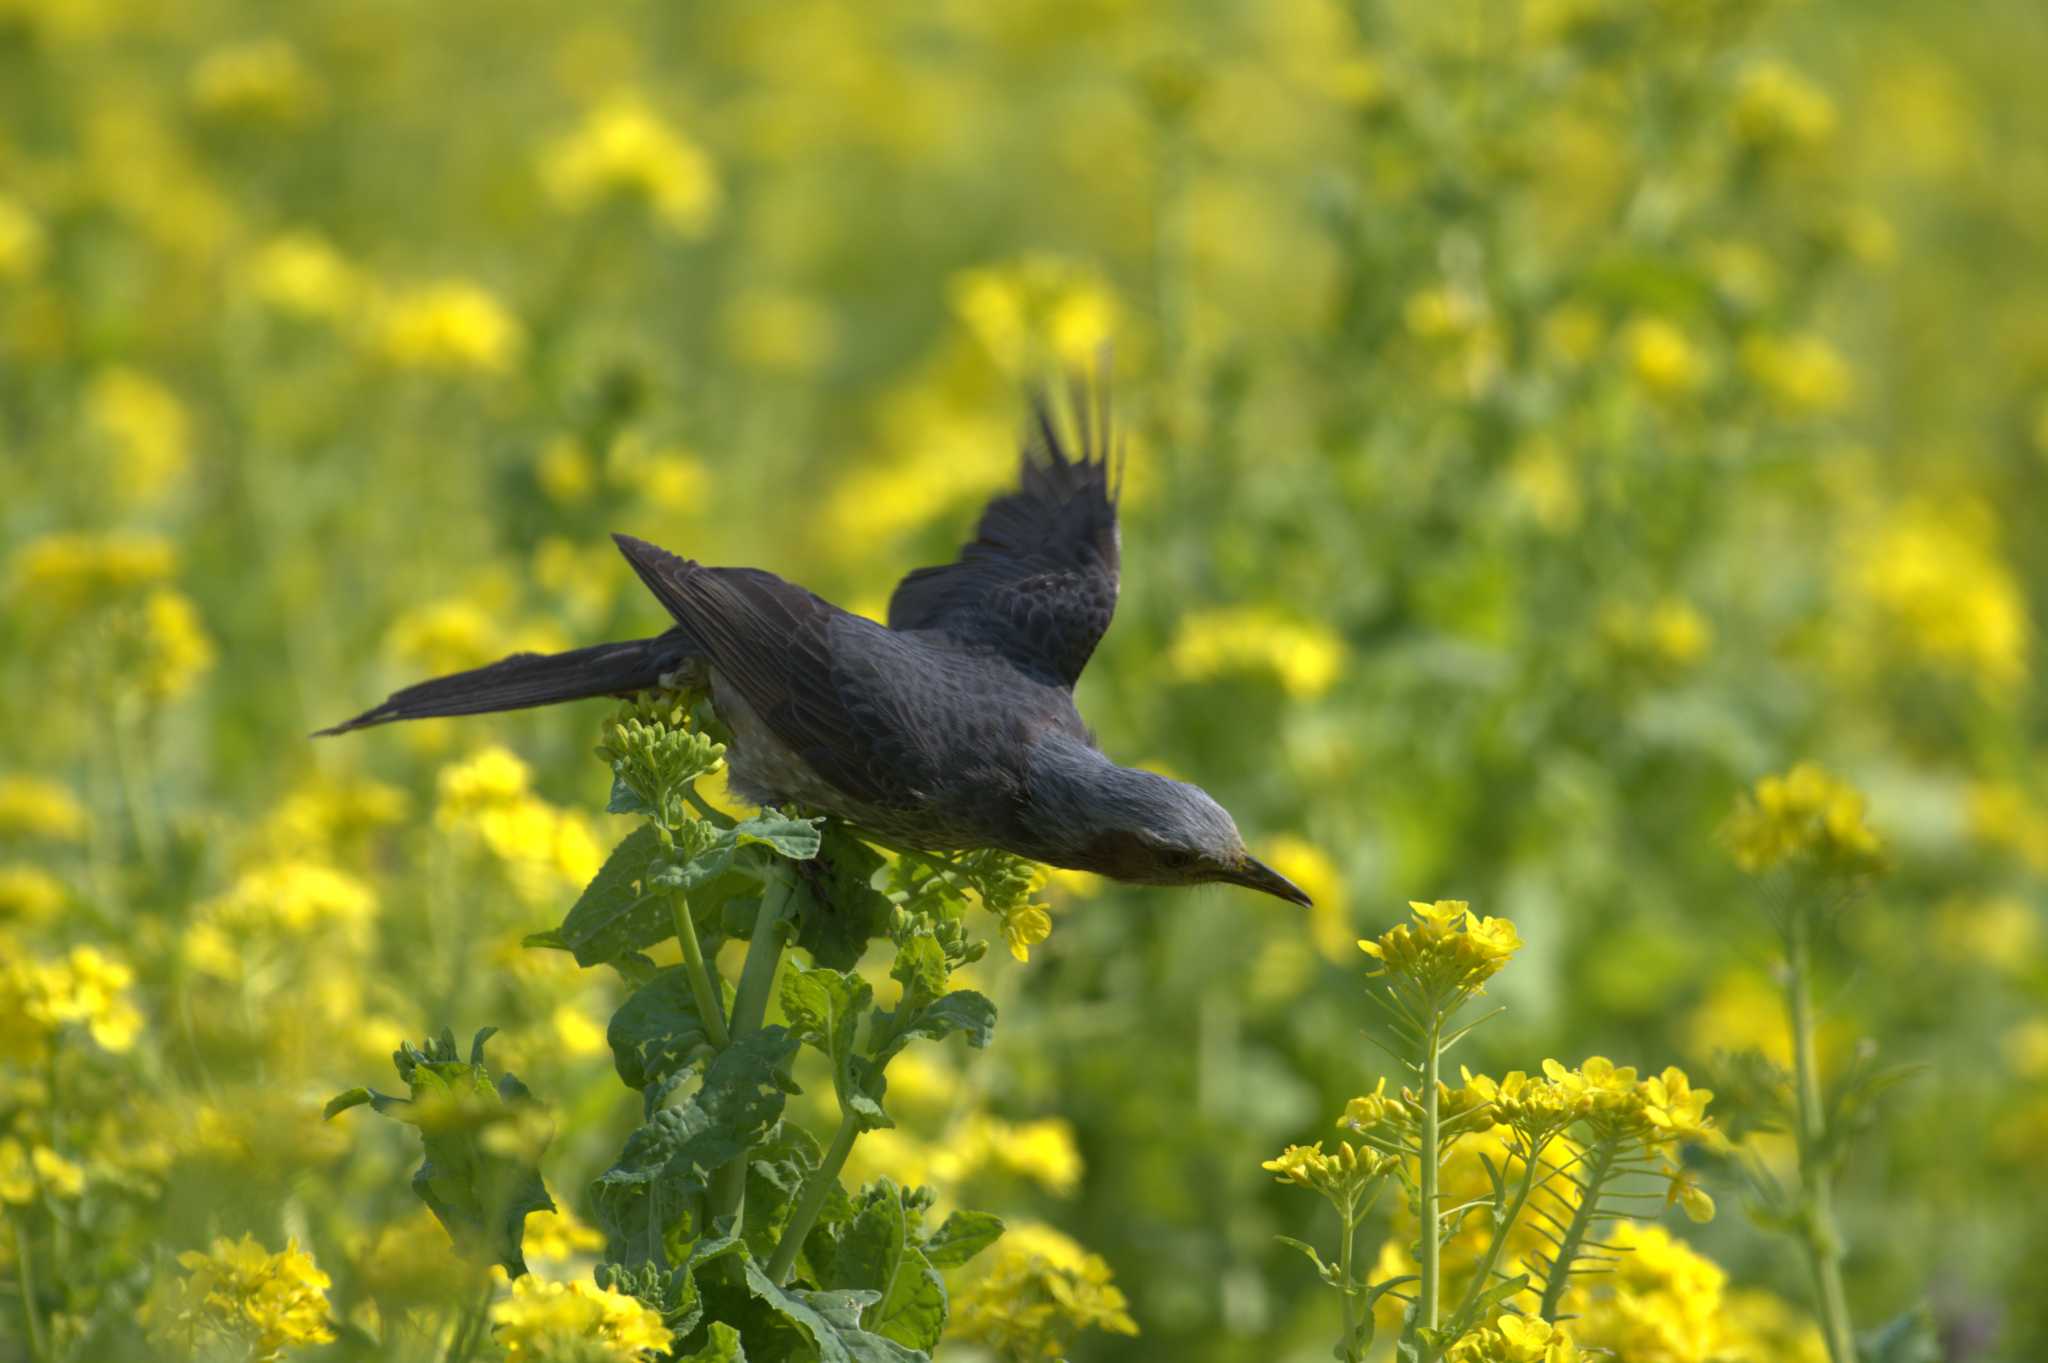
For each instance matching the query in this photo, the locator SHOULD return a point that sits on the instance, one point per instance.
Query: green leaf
(1909, 1337)
(920, 966)
(655, 1191)
(1323, 1270)
(544, 941)
(876, 1254)
(839, 911)
(776, 1169)
(964, 1235)
(625, 800)
(723, 1346)
(342, 1102)
(658, 1031)
(689, 875)
(797, 839)
(830, 1319)
(962, 1011)
(481, 1172)
(824, 1007)
(617, 912)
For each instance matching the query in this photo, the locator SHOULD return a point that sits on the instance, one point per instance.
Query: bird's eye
(1176, 859)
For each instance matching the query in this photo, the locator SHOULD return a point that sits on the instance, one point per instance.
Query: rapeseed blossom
(1447, 954)
(71, 570)
(453, 326)
(543, 1320)
(147, 428)
(623, 149)
(1304, 657)
(240, 1292)
(31, 807)
(1034, 1291)
(1804, 815)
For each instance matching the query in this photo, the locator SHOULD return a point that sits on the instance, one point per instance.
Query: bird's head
(1149, 829)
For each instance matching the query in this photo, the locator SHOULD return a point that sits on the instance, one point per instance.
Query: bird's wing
(792, 658)
(1038, 584)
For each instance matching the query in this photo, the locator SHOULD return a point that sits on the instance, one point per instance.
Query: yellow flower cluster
(27, 1171)
(1669, 633)
(1803, 815)
(1448, 953)
(1536, 1109)
(1304, 657)
(263, 81)
(452, 326)
(624, 150)
(1940, 587)
(29, 894)
(31, 807)
(239, 1291)
(546, 850)
(1516, 1339)
(71, 571)
(1040, 300)
(302, 275)
(147, 428)
(40, 998)
(288, 898)
(23, 243)
(576, 1320)
(1340, 1173)
(1037, 1289)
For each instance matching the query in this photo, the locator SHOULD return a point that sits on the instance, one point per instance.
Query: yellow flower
(263, 80)
(72, 571)
(1304, 657)
(1516, 1339)
(239, 1291)
(448, 635)
(452, 327)
(300, 273)
(557, 1235)
(1802, 374)
(31, 807)
(22, 241)
(1033, 1291)
(1310, 867)
(176, 650)
(1447, 955)
(1036, 308)
(1801, 815)
(1779, 110)
(59, 1176)
(30, 894)
(670, 478)
(622, 149)
(1934, 573)
(1538, 1109)
(1369, 1112)
(1025, 927)
(1676, 1108)
(565, 471)
(1669, 635)
(541, 1320)
(293, 896)
(147, 428)
(86, 988)
(1662, 359)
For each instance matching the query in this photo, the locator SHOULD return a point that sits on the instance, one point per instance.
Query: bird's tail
(528, 679)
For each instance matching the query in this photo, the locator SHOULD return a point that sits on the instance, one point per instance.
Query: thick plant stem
(817, 1188)
(749, 1009)
(1428, 1286)
(1600, 1162)
(709, 1006)
(1350, 1346)
(1822, 1240)
(764, 954)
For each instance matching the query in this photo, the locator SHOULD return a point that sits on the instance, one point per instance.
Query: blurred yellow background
(1546, 417)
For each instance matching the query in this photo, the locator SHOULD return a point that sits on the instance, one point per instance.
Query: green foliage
(483, 1142)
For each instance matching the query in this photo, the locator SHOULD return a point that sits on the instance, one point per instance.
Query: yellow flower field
(1581, 515)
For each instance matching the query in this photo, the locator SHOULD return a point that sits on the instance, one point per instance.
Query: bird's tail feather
(528, 679)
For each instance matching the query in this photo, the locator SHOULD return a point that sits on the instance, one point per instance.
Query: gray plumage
(951, 727)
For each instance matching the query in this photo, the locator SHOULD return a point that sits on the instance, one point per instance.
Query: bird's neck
(1072, 793)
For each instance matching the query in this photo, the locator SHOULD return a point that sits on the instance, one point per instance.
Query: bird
(951, 727)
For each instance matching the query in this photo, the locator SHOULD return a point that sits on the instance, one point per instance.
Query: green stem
(1819, 1234)
(28, 1290)
(1427, 1287)
(749, 1010)
(471, 1328)
(812, 1201)
(1598, 1165)
(1347, 1286)
(709, 1006)
(1506, 1223)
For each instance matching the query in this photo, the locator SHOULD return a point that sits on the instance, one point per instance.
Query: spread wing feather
(788, 654)
(1038, 585)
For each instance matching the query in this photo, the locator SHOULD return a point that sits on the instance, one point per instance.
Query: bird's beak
(1256, 875)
